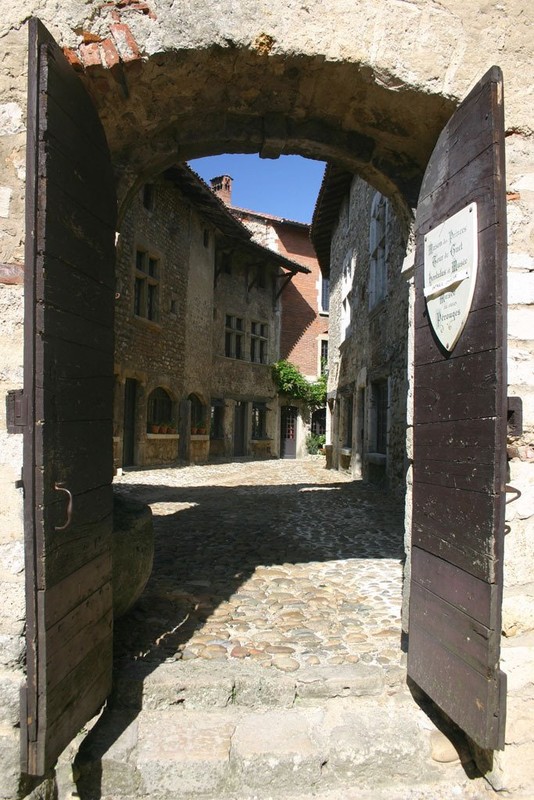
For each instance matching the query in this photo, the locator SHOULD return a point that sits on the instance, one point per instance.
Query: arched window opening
(217, 419)
(160, 411)
(198, 414)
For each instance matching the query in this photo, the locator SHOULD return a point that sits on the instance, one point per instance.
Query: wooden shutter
(68, 385)
(460, 437)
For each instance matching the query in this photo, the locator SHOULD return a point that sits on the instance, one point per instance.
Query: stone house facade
(304, 308)
(196, 329)
(361, 244)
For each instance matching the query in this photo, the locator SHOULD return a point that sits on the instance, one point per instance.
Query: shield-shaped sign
(450, 271)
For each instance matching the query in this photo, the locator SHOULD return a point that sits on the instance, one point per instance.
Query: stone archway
(213, 94)
(367, 84)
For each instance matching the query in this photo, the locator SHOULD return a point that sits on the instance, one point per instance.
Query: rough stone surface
(133, 551)
(239, 727)
(203, 745)
(269, 750)
(368, 344)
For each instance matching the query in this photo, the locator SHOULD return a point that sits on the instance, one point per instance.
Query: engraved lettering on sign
(450, 267)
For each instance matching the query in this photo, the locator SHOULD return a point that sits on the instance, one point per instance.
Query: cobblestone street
(281, 562)
(263, 660)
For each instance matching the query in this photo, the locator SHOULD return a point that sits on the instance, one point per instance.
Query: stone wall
(12, 608)
(151, 352)
(303, 326)
(373, 348)
(240, 379)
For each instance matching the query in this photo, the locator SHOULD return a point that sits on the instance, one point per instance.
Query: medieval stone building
(361, 244)
(304, 312)
(197, 318)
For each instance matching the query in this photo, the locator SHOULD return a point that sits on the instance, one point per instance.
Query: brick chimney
(222, 187)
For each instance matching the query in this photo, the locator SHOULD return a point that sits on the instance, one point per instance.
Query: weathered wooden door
(240, 422)
(288, 431)
(130, 416)
(460, 421)
(68, 387)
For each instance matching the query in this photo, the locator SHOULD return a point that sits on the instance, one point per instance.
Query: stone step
(208, 685)
(343, 745)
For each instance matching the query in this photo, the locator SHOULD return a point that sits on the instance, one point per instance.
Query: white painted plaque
(450, 271)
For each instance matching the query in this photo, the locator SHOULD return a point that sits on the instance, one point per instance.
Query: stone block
(519, 554)
(519, 366)
(13, 610)
(264, 688)
(11, 649)
(102, 764)
(194, 686)
(376, 745)
(521, 290)
(347, 680)
(275, 751)
(133, 551)
(182, 752)
(9, 762)
(12, 558)
(521, 323)
(518, 614)
(10, 683)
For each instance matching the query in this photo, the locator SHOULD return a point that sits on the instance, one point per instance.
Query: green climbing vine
(291, 382)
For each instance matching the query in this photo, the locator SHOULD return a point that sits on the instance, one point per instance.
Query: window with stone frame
(217, 419)
(259, 420)
(323, 356)
(258, 342)
(377, 250)
(234, 337)
(198, 414)
(159, 408)
(324, 297)
(147, 285)
(379, 417)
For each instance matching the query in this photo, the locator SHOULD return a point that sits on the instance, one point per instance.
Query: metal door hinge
(16, 411)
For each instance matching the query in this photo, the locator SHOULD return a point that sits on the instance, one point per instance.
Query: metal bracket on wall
(16, 411)
(515, 416)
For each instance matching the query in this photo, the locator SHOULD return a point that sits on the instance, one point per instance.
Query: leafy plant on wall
(291, 382)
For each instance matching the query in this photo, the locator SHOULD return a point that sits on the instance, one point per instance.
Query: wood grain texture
(460, 437)
(69, 385)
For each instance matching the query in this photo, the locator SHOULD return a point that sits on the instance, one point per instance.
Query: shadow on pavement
(209, 540)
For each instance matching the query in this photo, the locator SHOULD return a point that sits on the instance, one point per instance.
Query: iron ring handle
(60, 487)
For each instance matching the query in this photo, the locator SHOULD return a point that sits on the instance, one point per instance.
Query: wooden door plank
(459, 447)
(71, 211)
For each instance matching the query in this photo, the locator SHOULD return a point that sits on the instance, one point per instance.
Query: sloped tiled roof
(214, 209)
(335, 186)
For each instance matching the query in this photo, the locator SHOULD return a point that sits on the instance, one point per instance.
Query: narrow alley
(264, 659)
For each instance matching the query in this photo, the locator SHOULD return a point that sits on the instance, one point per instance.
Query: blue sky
(286, 187)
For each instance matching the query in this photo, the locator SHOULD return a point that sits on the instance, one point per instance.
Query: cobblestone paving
(281, 562)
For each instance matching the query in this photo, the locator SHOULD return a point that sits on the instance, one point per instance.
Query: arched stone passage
(177, 106)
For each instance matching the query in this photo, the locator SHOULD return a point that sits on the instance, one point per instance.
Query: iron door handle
(60, 487)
